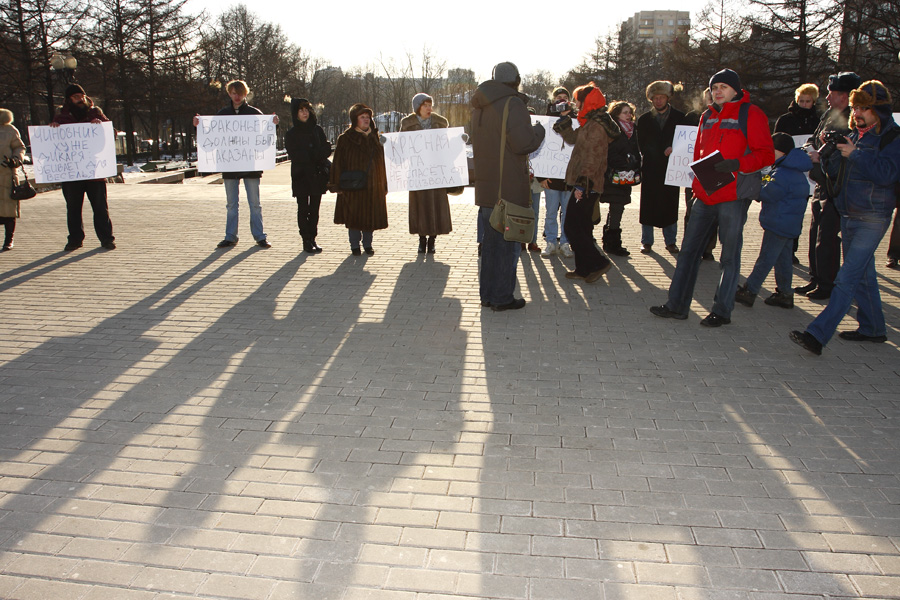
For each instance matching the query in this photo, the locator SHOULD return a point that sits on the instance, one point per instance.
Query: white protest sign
(235, 143)
(426, 159)
(552, 158)
(678, 173)
(73, 152)
(897, 118)
(799, 140)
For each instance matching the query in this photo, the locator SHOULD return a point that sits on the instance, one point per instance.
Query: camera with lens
(559, 107)
(830, 141)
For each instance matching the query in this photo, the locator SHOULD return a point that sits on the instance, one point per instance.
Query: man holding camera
(863, 173)
(824, 229)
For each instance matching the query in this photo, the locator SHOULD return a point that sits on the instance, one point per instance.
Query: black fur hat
(845, 81)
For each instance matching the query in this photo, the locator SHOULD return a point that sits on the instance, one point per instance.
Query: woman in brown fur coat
(429, 210)
(586, 174)
(359, 149)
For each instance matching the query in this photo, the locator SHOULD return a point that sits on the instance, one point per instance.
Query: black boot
(431, 244)
(422, 242)
(605, 239)
(308, 247)
(615, 243)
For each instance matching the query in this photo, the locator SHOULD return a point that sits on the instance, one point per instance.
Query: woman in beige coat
(429, 210)
(12, 151)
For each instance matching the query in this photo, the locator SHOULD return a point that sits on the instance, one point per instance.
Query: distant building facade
(658, 26)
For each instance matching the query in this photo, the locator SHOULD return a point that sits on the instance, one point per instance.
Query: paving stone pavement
(178, 421)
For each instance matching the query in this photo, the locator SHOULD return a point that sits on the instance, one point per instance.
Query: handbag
(322, 175)
(514, 221)
(351, 181)
(21, 191)
(629, 176)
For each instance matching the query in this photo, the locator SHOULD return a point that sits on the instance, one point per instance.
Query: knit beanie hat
(420, 99)
(872, 94)
(74, 88)
(845, 81)
(560, 90)
(729, 78)
(507, 73)
(661, 87)
(783, 142)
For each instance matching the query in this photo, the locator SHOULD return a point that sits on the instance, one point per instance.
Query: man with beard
(864, 170)
(79, 108)
(825, 227)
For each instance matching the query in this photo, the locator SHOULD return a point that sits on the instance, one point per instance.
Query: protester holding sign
(12, 151)
(79, 108)
(309, 150)
(429, 210)
(359, 177)
(556, 193)
(238, 92)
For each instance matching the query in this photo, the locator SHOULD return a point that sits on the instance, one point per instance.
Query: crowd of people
(851, 152)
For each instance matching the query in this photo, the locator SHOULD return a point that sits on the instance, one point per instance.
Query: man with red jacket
(746, 148)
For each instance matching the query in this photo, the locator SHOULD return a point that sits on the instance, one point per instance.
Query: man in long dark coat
(659, 202)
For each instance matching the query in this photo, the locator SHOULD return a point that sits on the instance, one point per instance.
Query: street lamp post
(63, 66)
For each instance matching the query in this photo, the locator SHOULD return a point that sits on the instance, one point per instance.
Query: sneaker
(226, 244)
(532, 247)
(856, 336)
(892, 264)
(646, 248)
(109, 245)
(514, 305)
(664, 312)
(745, 296)
(780, 299)
(598, 273)
(72, 246)
(807, 341)
(673, 249)
(566, 250)
(573, 275)
(819, 293)
(714, 320)
(708, 256)
(549, 250)
(263, 244)
(805, 289)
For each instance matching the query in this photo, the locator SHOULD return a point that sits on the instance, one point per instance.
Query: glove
(728, 166)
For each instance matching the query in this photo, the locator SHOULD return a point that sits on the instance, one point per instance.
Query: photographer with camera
(862, 172)
(556, 197)
(824, 229)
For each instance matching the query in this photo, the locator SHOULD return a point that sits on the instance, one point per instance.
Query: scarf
(594, 101)
(627, 127)
(425, 123)
(864, 130)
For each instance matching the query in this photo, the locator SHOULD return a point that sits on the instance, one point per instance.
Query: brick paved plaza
(180, 422)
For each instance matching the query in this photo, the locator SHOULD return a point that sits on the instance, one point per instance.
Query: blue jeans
(536, 205)
(778, 252)
(731, 217)
(554, 200)
(856, 280)
(356, 235)
(232, 198)
(670, 232)
(499, 260)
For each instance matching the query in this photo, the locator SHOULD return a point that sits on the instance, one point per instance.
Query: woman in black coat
(801, 117)
(623, 172)
(309, 150)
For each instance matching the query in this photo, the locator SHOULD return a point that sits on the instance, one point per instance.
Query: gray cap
(506, 72)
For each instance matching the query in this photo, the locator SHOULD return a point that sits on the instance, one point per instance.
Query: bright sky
(474, 34)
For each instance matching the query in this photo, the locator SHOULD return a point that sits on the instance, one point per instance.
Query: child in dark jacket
(784, 195)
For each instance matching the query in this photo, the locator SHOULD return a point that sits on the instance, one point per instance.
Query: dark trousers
(308, 214)
(73, 192)
(689, 201)
(9, 224)
(894, 243)
(580, 232)
(824, 244)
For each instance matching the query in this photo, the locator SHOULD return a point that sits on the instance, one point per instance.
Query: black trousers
(73, 192)
(9, 226)
(824, 244)
(894, 244)
(580, 230)
(308, 213)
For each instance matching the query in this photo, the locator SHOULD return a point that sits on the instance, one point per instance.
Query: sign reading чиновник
(235, 143)
(425, 159)
(73, 152)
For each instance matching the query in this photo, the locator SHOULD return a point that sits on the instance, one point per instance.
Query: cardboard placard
(236, 143)
(425, 159)
(73, 152)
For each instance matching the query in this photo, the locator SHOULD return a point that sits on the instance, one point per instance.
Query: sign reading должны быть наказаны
(73, 152)
(236, 143)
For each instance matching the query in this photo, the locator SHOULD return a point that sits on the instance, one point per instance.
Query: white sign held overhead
(552, 158)
(426, 159)
(73, 152)
(236, 143)
(678, 173)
